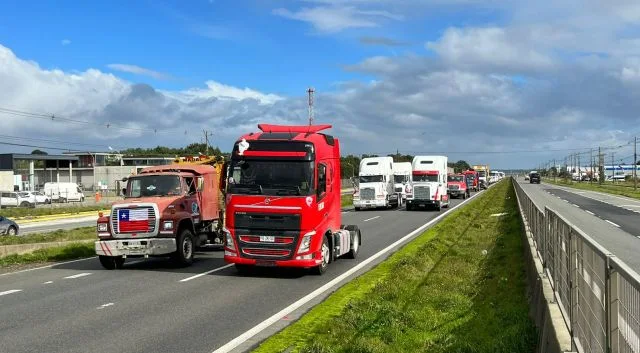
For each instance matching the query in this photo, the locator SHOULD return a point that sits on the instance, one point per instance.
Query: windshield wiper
(286, 189)
(250, 188)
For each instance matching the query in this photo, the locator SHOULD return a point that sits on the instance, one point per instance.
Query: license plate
(134, 243)
(265, 263)
(267, 238)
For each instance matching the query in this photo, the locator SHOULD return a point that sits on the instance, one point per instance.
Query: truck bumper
(135, 247)
(421, 203)
(370, 203)
(457, 192)
(308, 263)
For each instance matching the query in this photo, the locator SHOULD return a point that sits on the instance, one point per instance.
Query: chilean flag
(133, 220)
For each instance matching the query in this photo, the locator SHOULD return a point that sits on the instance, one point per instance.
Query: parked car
(14, 199)
(35, 197)
(8, 227)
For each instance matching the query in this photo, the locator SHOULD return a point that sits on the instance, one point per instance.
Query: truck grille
(422, 193)
(399, 189)
(284, 228)
(139, 220)
(454, 187)
(367, 194)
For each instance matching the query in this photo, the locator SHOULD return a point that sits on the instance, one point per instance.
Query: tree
(39, 152)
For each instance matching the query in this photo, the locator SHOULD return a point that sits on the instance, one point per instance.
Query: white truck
(375, 186)
(63, 192)
(401, 178)
(428, 183)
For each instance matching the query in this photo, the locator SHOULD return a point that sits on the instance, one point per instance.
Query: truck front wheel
(111, 262)
(326, 257)
(184, 254)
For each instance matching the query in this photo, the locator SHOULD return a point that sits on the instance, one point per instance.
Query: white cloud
(65, 42)
(223, 92)
(134, 69)
(331, 19)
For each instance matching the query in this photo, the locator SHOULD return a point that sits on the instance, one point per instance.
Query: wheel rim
(187, 247)
(12, 231)
(356, 242)
(325, 255)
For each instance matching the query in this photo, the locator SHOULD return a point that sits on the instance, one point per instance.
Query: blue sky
(477, 79)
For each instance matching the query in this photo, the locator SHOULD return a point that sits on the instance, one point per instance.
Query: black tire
(185, 244)
(438, 206)
(111, 262)
(409, 207)
(357, 208)
(464, 196)
(356, 241)
(322, 268)
(12, 230)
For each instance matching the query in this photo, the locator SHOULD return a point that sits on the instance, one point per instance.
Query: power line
(9, 137)
(34, 146)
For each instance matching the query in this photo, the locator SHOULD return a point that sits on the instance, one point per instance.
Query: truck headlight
(305, 244)
(102, 227)
(167, 225)
(228, 239)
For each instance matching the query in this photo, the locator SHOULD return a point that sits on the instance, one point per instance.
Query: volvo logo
(267, 201)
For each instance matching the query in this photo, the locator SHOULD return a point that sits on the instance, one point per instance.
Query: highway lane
(619, 242)
(153, 306)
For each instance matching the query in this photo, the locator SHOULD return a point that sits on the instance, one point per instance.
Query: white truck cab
(375, 186)
(428, 183)
(402, 178)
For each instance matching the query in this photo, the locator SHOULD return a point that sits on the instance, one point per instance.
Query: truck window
(455, 178)
(322, 180)
(371, 179)
(272, 177)
(191, 185)
(154, 185)
(431, 178)
(400, 178)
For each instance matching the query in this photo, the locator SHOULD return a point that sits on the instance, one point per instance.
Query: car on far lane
(534, 178)
(8, 227)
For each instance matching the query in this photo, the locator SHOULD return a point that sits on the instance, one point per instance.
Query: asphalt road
(45, 227)
(614, 227)
(151, 306)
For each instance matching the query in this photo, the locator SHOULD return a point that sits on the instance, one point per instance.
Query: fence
(598, 295)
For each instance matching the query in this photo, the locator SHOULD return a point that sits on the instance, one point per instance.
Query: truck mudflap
(135, 247)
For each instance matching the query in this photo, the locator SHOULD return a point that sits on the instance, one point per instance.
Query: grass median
(23, 212)
(58, 253)
(346, 200)
(58, 235)
(624, 189)
(458, 287)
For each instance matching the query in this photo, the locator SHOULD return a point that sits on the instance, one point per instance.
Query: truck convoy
(428, 183)
(402, 178)
(283, 202)
(376, 184)
(167, 211)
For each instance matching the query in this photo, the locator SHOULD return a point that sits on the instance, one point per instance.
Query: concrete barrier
(19, 249)
(554, 337)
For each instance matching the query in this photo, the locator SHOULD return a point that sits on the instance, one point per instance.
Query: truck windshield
(371, 179)
(482, 173)
(455, 178)
(271, 177)
(425, 178)
(400, 179)
(154, 185)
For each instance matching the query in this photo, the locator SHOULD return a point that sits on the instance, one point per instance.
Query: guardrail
(598, 295)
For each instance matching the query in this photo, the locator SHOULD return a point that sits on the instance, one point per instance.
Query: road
(151, 306)
(612, 221)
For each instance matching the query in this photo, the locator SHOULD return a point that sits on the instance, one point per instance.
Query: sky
(511, 83)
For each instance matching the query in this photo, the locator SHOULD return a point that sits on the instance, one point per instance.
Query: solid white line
(48, 266)
(589, 212)
(10, 291)
(575, 205)
(629, 205)
(273, 319)
(608, 221)
(105, 305)
(79, 275)
(206, 273)
(371, 219)
(48, 282)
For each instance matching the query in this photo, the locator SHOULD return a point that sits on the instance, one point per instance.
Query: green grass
(623, 189)
(346, 200)
(439, 293)
(61, 253)
(20, 212)
(58, 235)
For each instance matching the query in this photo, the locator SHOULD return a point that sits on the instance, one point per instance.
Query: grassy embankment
(25, 213)
(58, 253)
(623, 189)
(346, 200)
(458, 287)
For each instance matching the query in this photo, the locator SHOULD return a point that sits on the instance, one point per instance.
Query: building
(20, 171)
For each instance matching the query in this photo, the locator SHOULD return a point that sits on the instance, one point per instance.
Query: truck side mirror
(124, 191)
(200, 185)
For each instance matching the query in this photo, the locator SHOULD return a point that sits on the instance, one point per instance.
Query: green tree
(40, 152)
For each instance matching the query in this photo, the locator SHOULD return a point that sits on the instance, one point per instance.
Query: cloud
(383, 41)
(134, 69)
(65, 42)
(332, 19)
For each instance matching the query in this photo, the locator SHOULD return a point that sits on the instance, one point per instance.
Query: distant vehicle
(472, 176)
(14, 199)
(376, 184)
(428, 183)
(526, 177)
(8, 227)
(35, 197)
(534, 178)
(63, 192)
(457, 186)
(401, 178)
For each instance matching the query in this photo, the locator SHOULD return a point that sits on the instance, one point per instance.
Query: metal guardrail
(598, 295)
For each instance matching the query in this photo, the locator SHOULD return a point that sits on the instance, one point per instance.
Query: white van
(401, 178)
(428, 183)
(375, 186)
(63, 192)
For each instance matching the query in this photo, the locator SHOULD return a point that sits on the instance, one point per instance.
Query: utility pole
(635, 163)
(591, 168)
(310, 91)
(579, 170)
(555, 170)
(613, 168)
(206, 140)
(600, 166)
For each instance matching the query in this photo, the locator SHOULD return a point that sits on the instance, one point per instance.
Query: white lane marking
(48, 282)
(574, 205)
(371, 219)
(613, 224)
(279, 315)
(629, 205)
(206, 273)
(567, 201)
(104, 306)
(589, 212)
(48, 266)
(79, 275)
(10, 291)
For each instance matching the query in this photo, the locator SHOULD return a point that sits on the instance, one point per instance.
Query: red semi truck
(167, 211)
(283, 205)
(474, 178)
